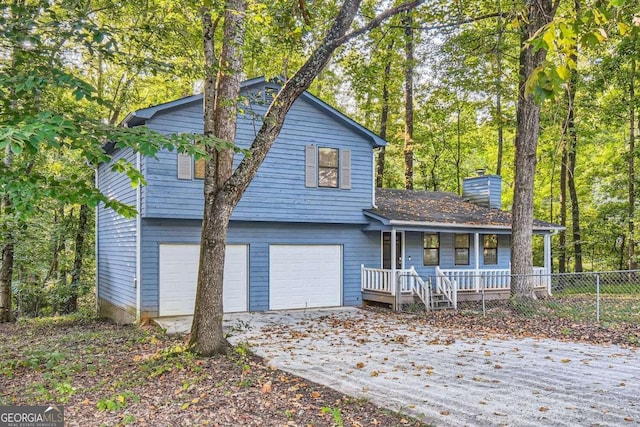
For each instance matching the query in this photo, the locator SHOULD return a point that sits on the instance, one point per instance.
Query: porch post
(393, 262)
(476, 252)
(547, 262)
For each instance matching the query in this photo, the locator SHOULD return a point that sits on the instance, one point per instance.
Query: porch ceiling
(412, 208)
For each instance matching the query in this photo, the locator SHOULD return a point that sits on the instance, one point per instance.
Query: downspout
(548, 260)
(138, 281)
(96, 243)
(373, 180)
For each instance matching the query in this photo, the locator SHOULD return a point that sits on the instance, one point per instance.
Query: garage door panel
(179, 276)
(304, 276)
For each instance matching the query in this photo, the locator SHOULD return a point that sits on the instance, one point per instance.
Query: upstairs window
(490, 251)
(189, 167)
(431, 246)
(328, 167)
(462, 249)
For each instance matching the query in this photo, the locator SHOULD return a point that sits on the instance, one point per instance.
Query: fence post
(484, 285)
(597, 297)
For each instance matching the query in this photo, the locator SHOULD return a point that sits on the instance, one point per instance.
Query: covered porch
(446, 288)
(454, 248)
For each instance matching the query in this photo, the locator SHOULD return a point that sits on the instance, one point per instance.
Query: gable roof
(440, 209)
(140, 117)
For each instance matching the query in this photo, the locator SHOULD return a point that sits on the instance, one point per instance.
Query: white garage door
(179, 276)
(304, 276)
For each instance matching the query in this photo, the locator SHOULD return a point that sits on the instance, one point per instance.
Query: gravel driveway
(445, 377)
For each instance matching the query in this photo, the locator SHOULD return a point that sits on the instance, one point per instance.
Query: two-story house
(310, 231)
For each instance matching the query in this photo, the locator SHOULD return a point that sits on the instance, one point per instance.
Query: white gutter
(455, 225)
(96, 243)
(138, 282)
(373, 178)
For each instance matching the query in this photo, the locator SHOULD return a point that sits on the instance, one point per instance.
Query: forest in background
(441, 87)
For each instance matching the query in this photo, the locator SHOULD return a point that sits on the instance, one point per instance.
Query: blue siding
(358, 248)
(278, 192)
(117, 239)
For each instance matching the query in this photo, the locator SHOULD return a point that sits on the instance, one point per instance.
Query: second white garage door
(305, 276)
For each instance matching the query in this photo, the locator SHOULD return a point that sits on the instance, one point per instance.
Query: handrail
(420, 288)
(447, 288)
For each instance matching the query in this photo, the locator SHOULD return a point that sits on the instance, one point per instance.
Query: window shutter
(184, 166)
(310, 172)
(345, 169)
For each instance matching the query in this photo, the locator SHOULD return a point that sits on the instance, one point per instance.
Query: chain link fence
(607, 297)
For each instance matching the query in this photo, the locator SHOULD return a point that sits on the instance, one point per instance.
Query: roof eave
(433, 224)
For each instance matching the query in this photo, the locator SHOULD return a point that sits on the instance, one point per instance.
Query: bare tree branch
(379, 19)
(463, 21)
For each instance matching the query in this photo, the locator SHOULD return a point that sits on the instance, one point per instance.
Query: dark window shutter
(345, 169)
(310, 171)
(184, 166)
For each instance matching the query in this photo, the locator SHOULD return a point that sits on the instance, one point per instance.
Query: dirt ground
(445, 369)
(110, 375)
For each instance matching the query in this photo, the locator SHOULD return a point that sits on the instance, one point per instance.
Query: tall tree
(222, 195)
(408, 102)
(572, 153)
(537, 14)
(633, 264)
(498, 53)
(384, 115)
(220, 117)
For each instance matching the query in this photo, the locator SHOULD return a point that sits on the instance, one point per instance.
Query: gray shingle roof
(440, 208)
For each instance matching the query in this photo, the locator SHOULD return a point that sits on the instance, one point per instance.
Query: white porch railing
(376, 279)
(408, 280)
(379, 279)
(490, 279)
(446, 287)
(418, 287)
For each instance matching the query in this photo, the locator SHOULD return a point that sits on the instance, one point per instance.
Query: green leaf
(16, 148)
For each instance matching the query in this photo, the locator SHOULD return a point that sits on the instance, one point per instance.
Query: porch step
(440, 302)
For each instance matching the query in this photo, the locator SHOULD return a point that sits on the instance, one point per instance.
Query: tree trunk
(222, 195)
(408, 100)
(6, 270)
(78, 257)
(458, 149)
(384, 117)
(220, 117)
(633, 264)
(538, 13)
(562, 256)
(571, 166)
(499, 90)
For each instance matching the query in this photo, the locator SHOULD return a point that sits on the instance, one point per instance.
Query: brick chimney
(483, 190)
